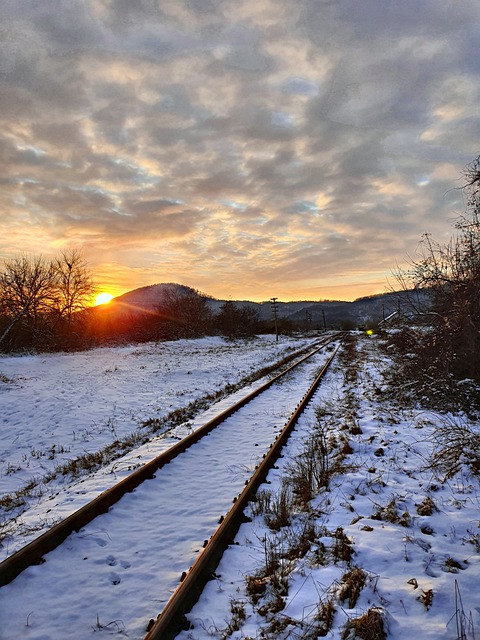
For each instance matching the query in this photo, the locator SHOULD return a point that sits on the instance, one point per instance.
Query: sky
(247, 149)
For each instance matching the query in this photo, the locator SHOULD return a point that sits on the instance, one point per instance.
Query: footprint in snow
(101, 542)
(112, 562)
(114, 578)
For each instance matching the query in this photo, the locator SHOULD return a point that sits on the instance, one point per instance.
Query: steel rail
(33, 552)
(172, 619)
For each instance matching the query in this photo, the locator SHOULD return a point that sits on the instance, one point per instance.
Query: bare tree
(184, 312)
(451, 274)
(74, 286)
(26, 292)
(233, 320)
(37, 295)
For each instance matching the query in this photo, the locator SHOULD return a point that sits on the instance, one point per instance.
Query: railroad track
(172, 619)
(202, 569)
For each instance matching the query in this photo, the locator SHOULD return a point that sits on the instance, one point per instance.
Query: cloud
(236, 146)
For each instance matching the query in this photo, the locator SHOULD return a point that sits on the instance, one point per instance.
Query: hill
(310, 313)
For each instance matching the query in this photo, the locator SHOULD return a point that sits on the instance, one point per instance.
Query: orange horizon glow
(345, 292)
(103, 298)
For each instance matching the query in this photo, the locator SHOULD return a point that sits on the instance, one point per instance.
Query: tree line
(47, 305)
(183, 312)
(447, 349)
(40, 300)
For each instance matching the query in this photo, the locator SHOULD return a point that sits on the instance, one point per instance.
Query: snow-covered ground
(414, 534)
(55, 408)
(126, 563)
(388, 520)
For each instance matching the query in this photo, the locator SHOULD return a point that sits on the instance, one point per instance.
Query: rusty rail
(172, 619)
(33, 552)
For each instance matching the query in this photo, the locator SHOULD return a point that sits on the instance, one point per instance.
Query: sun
(103, 298)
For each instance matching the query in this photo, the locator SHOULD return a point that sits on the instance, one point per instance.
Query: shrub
(456, 443)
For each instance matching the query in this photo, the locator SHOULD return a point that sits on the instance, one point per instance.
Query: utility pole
(273, 302)
(324, 320)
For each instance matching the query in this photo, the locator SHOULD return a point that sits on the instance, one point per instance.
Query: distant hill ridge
(331, 312)
(152, 295)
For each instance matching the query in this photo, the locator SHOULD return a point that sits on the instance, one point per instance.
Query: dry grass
(390, 513)
(456, 443)
(280, 512)
(342, 549)
(324, 617)
(310, 470)
(351, 586)
(369, 626)
(299, 538)
(270, 583)
(426, 507)
(238, 617)
(426, 598)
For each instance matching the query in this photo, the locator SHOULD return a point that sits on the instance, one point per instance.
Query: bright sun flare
(103, 298)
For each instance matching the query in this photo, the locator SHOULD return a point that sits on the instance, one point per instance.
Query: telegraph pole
(273, 302)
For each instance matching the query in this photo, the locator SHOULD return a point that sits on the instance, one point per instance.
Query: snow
(106, 566)
(57, 407)
(403, 562)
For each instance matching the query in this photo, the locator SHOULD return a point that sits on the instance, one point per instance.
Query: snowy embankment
(389, 546)
(58, 408)
(118, 571)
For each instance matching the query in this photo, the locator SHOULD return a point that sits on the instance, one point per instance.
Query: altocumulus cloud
(248, 149)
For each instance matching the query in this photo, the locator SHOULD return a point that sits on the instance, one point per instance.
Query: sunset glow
(242, 149)
(103, 298)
